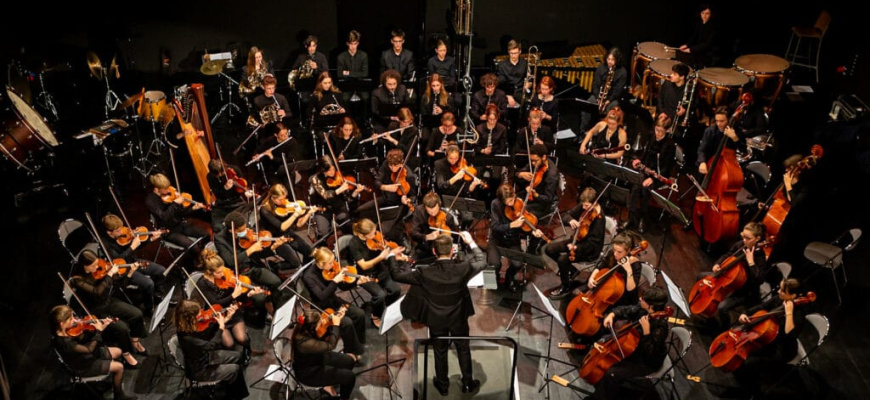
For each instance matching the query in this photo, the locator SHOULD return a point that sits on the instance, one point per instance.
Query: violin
(378, 243)
(293, 206)
(207, 316)
(537, 178)
(141, 232)
(337, 180)
(707, 293)
(604, 355)
(188, 198)
(730, 348)
(229, 281)
(326, 320)
(350, 272)
(439, 221)
(585, 311)
(470, 172)
(103, 267)
(240, 185)
(252, 237)
(530, 221)
(400, 177)
(81, 325)
(583, 230)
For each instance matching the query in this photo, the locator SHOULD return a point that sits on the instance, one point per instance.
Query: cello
(715, 215)
(707, 293)
(585, 311)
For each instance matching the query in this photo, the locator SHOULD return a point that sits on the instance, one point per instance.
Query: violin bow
(196, 286)
(178, 258)
(103, 247)
(235, 252)
(68, 287)
(120, 210)
(174, 171)
(221, 159)
(585, 213)
(407, 157)
(335, 246)
(289, 181)
(381, 227)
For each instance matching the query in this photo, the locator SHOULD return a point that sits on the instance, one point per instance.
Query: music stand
(347, 84)
(327, 121)
(673, 210)
(392, 315)
(389, 216)
(283, 319)
(527, 259)
(156, 321)
(359, 164)
(676, 295)
(620, 173)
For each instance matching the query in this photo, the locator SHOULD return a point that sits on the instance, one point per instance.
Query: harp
(195, 126)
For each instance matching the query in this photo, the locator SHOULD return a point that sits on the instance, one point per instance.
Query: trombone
(531, 74)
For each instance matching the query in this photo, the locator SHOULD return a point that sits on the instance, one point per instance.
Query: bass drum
(644, 53)
(718, 87)
(23, 131)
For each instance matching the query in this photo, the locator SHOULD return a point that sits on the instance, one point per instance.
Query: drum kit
(217, 67)
(102, 73)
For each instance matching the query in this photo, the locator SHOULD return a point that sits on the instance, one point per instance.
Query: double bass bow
(707, 293)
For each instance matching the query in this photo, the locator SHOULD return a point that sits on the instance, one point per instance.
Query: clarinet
(686, 101)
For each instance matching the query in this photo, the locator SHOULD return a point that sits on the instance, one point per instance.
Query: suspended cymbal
(131, 100)
(113, 68)
(213, 67)
(95, 65)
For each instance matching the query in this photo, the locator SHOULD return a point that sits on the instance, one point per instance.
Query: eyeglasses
(398, 41)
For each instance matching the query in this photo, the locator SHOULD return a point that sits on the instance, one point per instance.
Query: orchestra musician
(539, 182)
(659, 156)
(512, 74)
(450, 182)
(545, 100)
(172, 215)
(315, 363)
(421, 230)
(435, 101)
(444, 135)
(630, 270)
(753, 118)
(391, 95)
(670, 97)
(398, 58)
(274, 106)
(606, 134)
(335, 199)
(628, 378)
(370, 262)
(702, 48)
(207, 353)
(96, 295)
(226, 196)
(615, 90)
(345, 139)
(316, 60)
(388, 187)
(276, 202)
(488, 94)
(588, 248)
(148, 277)
(444, 284)
(326, 94)
(353, 63)
(713, 135)
(268, 156)
(444, 65)
(85, 354)
(506, 233)
(402, 139)
(535, 133)
(253, 73)
(492, 141)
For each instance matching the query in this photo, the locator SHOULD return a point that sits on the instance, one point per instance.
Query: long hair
(252, 60)
(346, 120)
(442, 96)
(185, 315)
(277, 190)
(318, 88)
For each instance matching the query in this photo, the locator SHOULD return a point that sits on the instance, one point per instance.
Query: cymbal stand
(44, 98)
(112, 99)
(146, 165)
(229, 82)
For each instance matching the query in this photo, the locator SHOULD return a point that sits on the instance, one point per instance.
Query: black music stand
(389, 216)
(673, 210)
(359, 164)
(501, 160)
(527, 259)
(327, 121)
(477, 208)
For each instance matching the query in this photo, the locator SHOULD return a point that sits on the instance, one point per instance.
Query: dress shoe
(471, 386)
(515, 286)
(640, 227)
(443, 387)
(128, 365)
(560, 294)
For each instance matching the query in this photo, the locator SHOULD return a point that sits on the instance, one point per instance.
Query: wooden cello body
(716, 217)
(707, 293)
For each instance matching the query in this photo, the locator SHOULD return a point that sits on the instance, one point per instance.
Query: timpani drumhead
(724, 77)
(655, 50)
(761, 64)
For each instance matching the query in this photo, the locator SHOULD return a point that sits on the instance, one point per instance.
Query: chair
(189, 286)
(610, 227)
(64, 231)
(343, 242)
(822, 328)
(784, 269)
(648, 273)
(556, 214)
(76, 379)
(178, 357)
(830, 255)
(815, 32)
(665, 372)
(759, 177)
(284, 355)
(164, 244)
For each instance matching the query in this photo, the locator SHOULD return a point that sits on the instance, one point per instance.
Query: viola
(439, 221)
(730, 348)
(530, 221)
(337, 180)
(229, 280)
(537, 178)
(350, 272)
(326, 320)
(207, 316)
(87, 324)
(470, 172)
(779, 206)
(127, 234)
(293, 206)
(188, 198)
(585, 311)
(583, 230)
(240, 185)
(379, 244)
(252, 237)
(103, 267)
(707, 293)
(604, 355)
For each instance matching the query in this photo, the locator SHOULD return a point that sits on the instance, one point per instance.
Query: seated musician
(271, 106)
(324, 294)
(539, 182)
(618, 82)
(492, 141)
(388, 187)
(402, 139)
(450, 179)
(748, 294)
(587, 213)
(753, 117)
(714, 135)
(269, 154)
(442, 136)
(253, 73)
(545, 100)
(512, 74)
(148, 277)
(506, 233)
(670, 97)
(95, 292)
(85, 354)
(345, 139)
(170, 214)
(251, 259)
(535, 133)
(327, 98)
(434, 102)
(607, 137)
(226, 196)
(398, 58)
(207, 353)
(702, 49)
(421, 230)
(629, 267)
(369, 263)
(388, 98)
(489, 94)
(271, 219)
(315, 363)
(659, 156)
(353, 63)
(316, 60)
(628, 378)
(337, 199)
(443, 65)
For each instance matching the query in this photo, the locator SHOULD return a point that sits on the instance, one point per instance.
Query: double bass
(707, 293)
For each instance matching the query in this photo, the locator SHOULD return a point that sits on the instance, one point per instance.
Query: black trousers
(337, 369)
(463, 351)
(625, 380)
(224, 366)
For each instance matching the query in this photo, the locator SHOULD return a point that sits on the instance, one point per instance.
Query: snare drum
(655, 77)
(152, 105)
(115, 137)
(23, 132)
(766, 72)
(644, 53)
(718, 87)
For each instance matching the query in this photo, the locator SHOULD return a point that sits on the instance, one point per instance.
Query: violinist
(421, 229)
(445, 286)
(85, 354)
(443, 136)
(535, 133)
(324, 295)
(96, 294)
(587, 249)
(148, 277)
(296, 218)
(269, 153)
(390, 188)
(207, 353)
(659, 156)
(606, 134)
(506, 233)
(541, 187)
(628, 378)
(337, 199)
(315, 363)
(227, 194)
(370, 262)
(170, 213)
(345, 139)
(218, 285)
(713, 135)
(450, 176)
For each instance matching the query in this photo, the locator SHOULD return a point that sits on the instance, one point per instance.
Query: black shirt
(446, 69)
(512, 76)
(617, 83)
(261, 102)
(403, 62)
(480, 100)
(547, 190)
(166, 215)
(496, 136)
(420, 225)
(224, 198)
(357, 250)
(318, 57)
(652, 349)
(710, 143)
(527, 135)
(349, 148)
(669, 99)
(385, 177)
(659, 155)
(385, 104)
(357, 64)
(196, 347)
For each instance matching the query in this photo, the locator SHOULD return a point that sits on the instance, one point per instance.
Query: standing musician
(367, 254)
(169, 213)
(445, 286)
(402, 139)
(314, 361)
(489, 94)
(323, 291)
(96, 294)
(271, 106)
(587, 248)
(628, 378)
(606, 135)
(444, 135)
(226, 193)
(670, 97)
(148, 277)
(253, 73)
(388, 98)
(345, 139)
(335, 198)
(609, 80)
(702, 48)
(535, 133)
(659, 155)
(435, 102)
(450, 177)
(85, 354)
(282, 217)
(398, 58)
(386, 182)
(713, 136)
(443, 65)
(421, 228)
(326, 94)
(506, 233)
(539, 182)
(316, 60)
(207, 354)
(353, 63)
(545, 100)
(268, 155)
(512, 74)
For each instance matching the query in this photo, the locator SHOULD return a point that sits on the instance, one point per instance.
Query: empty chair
(648, 273)
(830, 255)
(684, 337)
(821, 327)
(814, 35)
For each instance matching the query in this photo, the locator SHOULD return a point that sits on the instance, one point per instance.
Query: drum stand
(230, 105)
(145, 164)
(112, 99)
(44, 98)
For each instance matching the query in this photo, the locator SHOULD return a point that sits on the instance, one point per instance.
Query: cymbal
(95, 65)
(131, 100)
(213, 67)
(113, 68)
